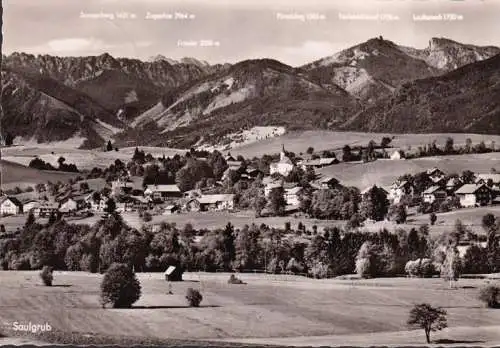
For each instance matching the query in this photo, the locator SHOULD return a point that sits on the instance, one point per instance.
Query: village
(285, 186)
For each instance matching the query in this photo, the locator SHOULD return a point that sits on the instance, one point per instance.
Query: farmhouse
(30, 205)
(473, 195)
(271, 186)
(491, 180)
(434, 194)
(162, 192)
(125, 186)
(10, 206)
(292, 195)
(328, 182)
(284, 166)
(69, 205)
(401, 189)
(318, 163)
(216, 202)
(452, 185)
(45, 210)
(170, 209)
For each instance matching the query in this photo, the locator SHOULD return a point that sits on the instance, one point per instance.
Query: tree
(346, 153)
(84, 186)
(468, 145)
(429, 318)
(46, 275)
(109, 147)
(193, 297)
(277, 201)
(310, 150)
(490, 295)
(398, 213)
(9, 139)
(374, 204)
(30, 220)
(448, 147)
(385, 142)
(120, 286)
(432, 218)
(468, 177)
(451, 267)
(110, 206)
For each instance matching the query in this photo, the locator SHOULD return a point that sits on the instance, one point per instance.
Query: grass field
(385, 172)
(269, 309)
(15, 174)
(84, 159)
(325, 140)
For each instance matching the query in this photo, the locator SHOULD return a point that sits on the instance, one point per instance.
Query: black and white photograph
(249, 173)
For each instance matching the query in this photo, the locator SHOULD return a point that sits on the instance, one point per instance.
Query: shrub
(120, 286)
(420, 268)
(46, 275)
(432, 218)
(146, 216)
(234, 280)
(490, 295)
(193, 297)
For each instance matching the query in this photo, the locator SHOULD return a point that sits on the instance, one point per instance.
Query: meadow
(270, 309)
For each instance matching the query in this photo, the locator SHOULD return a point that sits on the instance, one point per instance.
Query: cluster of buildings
(483, 191)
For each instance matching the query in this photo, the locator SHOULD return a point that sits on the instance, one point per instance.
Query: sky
(295, 32)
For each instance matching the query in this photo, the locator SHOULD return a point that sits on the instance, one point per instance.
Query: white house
(30, 205)
(284, 166)
(473, 195)
(486, 178)
(10, 206)
(397, 155)
(399, 190)
(292, 195)
(68, 205)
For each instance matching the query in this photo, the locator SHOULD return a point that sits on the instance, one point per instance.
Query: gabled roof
(470, 188)
(212, 199)
(432, 190)
(12, 199)
(327, 179)
(294, 190)
(433, 170)
(163, 188)
(170, 270)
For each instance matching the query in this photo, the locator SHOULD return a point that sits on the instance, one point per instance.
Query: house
(30, 205)
(318, 163)
(434, 194)
(292, 195)
(399, 190)
(173, 274)
(284, 166)
(68, 205)
(162, 192)
(229, 158)
(491, 180)
(436, 175)
(10, 206)
(216, 202)
(325, 183)
(193, 205)
(397, 155)
(473, 195)
(45, 210)
(125, 186)
(97, 205)
(253, 172)
(170, 209)
(271, 186)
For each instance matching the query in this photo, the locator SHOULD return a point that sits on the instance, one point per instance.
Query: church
(284, 166)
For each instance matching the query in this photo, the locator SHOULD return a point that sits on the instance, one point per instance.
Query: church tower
(282, 153)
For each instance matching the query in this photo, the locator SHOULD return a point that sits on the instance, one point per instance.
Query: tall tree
(429, 318)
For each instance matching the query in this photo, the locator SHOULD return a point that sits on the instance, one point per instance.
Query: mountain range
(374, 86)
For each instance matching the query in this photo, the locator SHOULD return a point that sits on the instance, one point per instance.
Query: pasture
(299, 141)
(269, 309)
(385, 172)
(15, 174)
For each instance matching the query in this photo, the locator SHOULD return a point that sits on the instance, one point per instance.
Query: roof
(12, 199)
(234, 163)
(163, 188)
(319, 161)
(170, 207)
(433, 170)
(211, 199)
(294, 190)
(170, 270)
(432, 189)
(368, 189)
(494, 177)
(274, 185)
(469, 188)
(327, 179)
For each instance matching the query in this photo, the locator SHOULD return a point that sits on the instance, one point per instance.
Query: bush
(120, 286)
(193, 297)
(490, 295)
(420, 268)
(46, 275)
(146, 216)
(234, 280)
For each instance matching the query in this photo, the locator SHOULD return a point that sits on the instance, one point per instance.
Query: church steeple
(283, 152)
